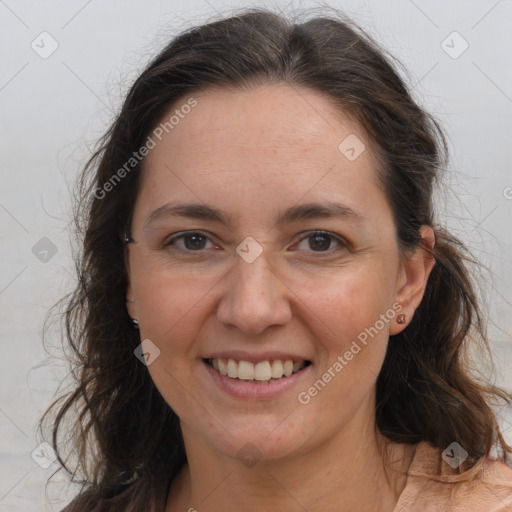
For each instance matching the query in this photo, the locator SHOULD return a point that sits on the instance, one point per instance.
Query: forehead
(271, 121)
(266, 144)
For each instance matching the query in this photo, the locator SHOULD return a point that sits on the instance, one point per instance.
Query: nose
(255, 297)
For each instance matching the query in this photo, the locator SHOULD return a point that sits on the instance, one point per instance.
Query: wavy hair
(426, 390)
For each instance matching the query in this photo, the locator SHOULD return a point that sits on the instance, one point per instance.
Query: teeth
(277, 369)
(232, 369)
(245, 370)
(223, 367)
(262, 371)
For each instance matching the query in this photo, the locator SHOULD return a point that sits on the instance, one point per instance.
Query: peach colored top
(434, 486)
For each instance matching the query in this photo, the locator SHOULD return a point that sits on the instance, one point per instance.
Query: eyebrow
(292, 214)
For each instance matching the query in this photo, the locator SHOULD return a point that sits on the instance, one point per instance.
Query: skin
(253, 154)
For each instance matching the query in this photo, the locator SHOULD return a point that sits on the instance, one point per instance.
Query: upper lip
(253, 357)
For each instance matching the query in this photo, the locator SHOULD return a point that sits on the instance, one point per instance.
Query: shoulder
(433, 485)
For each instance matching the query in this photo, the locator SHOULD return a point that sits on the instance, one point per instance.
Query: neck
(349, 469)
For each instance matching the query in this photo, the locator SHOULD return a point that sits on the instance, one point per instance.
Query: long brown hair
(123, 435)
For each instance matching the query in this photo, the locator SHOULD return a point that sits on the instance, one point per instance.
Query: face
(290, 254)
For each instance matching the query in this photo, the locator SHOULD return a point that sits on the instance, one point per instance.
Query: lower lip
(250, 389)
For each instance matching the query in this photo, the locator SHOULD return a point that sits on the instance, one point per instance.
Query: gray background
(53, 109)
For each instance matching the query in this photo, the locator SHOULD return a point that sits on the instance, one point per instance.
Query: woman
(268, 315)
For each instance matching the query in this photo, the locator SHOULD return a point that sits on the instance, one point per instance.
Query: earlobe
(131, 306)
(130, 302)
(416, 269)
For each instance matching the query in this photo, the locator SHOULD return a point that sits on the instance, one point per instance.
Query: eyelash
(182, 236)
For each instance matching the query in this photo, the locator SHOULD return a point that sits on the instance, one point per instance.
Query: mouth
(258, 373)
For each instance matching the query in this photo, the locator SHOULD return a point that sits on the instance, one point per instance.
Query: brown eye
(322, 242)
(319, 242)
(192, 242)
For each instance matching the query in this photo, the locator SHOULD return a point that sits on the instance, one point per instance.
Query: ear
(130, 296)
(130, 302)
(413, 278)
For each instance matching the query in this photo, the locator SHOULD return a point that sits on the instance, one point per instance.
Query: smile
(263, 371)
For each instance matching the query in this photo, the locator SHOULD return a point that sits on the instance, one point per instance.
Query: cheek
(345, 316)
(348, 303)
(170, 308)
(169, 304)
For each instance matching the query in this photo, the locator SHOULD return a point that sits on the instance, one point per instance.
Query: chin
(258, 440)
